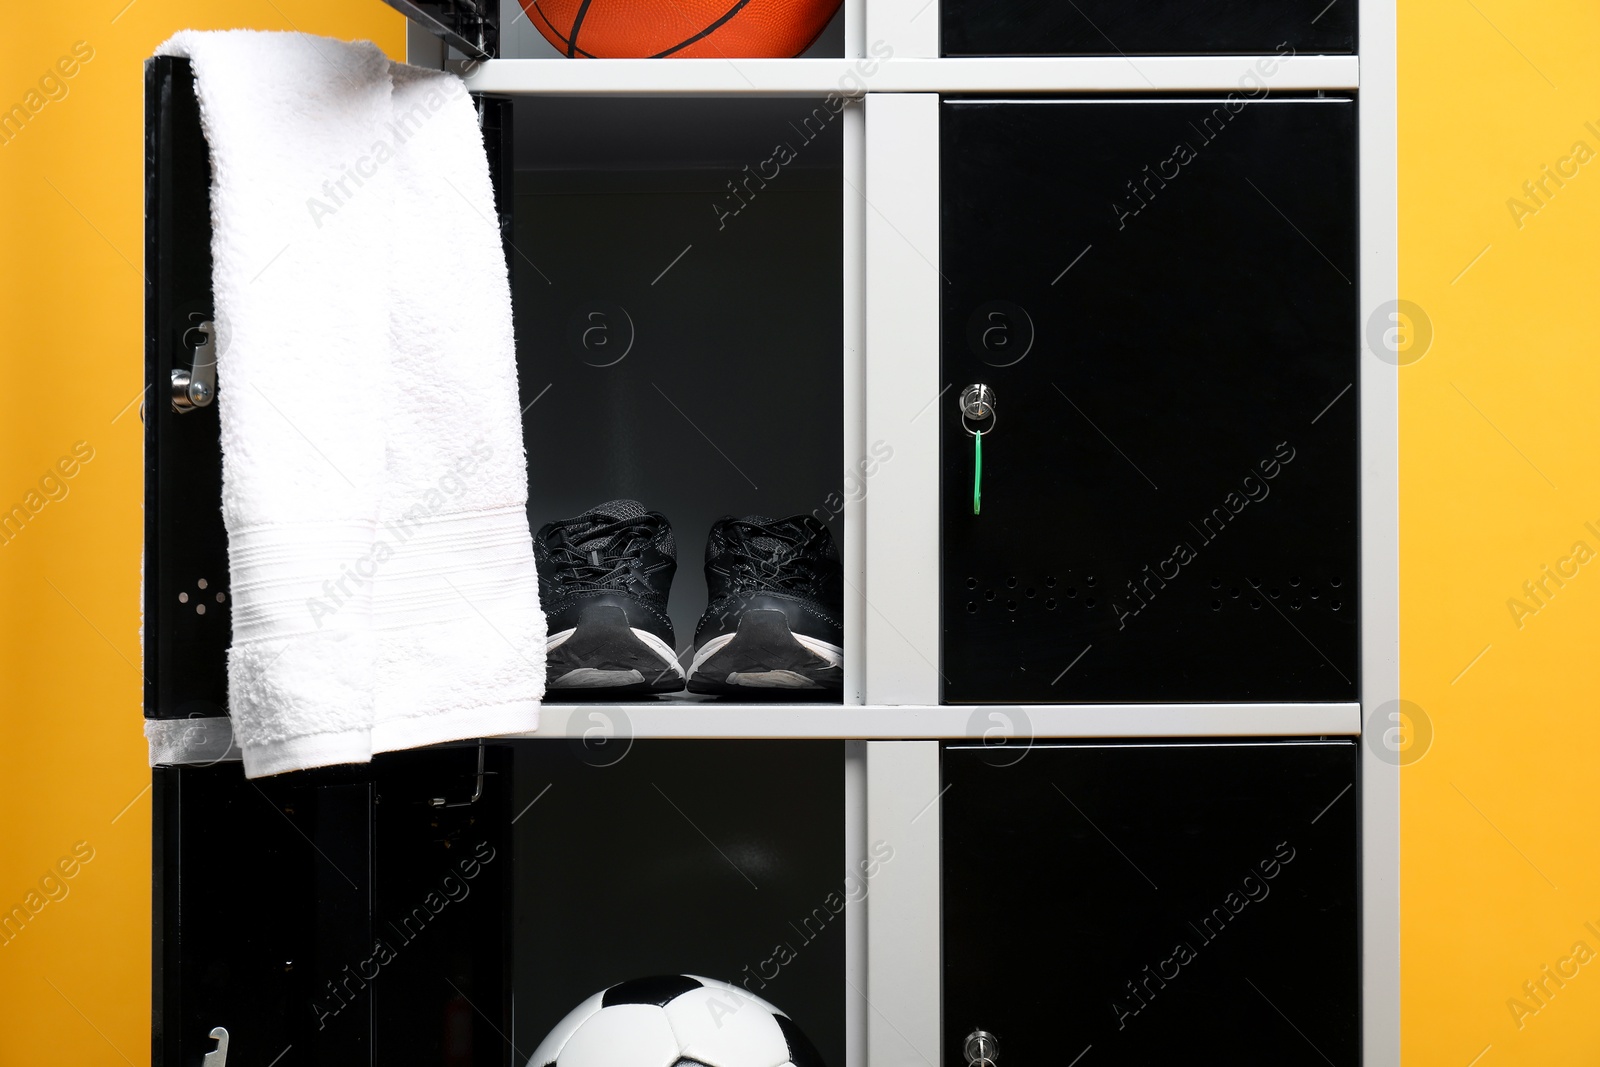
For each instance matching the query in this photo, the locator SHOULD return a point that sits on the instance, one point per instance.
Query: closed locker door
(1145, 27)
(1125, 904)
(1160, 298)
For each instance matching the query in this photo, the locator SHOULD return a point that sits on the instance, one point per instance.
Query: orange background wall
(1500, 471)
(75, 984)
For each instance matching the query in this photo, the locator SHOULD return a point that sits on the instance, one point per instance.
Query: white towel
(374, 482)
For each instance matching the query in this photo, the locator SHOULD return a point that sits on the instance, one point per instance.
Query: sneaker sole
(603, 655)
(764, 654)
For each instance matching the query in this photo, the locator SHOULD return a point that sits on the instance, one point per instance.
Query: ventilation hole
(1011, 582)
(1072, 591)
(1335, 582)
(221, 597)
(1011, 605)
(201, 583)
(988, 594)
(183, 598)
(1294, 580)
(1216, 605)
(972, 583)
(1255, 604)
(1050, 581)
(1216, 583)
(1050, 604)
(1234, 592)
(1294, 604)
(1315, 593)
(1273, 593)
(1089, 603)
(1089, 581)
(199, 609)
(1336, 605)
(1030, 592)
(972, 607)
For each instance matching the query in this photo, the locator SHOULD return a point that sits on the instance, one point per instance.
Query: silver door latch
(197, 386)
(217, 1057)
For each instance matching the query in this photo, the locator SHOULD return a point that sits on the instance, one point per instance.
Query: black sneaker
(603, 582)
(773, 624)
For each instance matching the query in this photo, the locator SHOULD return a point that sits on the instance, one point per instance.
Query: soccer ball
(675, 1021)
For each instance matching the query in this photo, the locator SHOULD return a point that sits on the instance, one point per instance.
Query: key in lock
(978, 419)
(977, 405)
(981, 1048)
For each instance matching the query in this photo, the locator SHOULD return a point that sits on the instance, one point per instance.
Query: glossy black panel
(442, 908)
(337, 915)
(186, 547)
(1162, 296)
(263, 893)
(721, 859)
(1158, 903)
(1146, 27)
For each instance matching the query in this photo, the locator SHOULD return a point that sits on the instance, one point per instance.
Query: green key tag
(977, 473)
(977, 405)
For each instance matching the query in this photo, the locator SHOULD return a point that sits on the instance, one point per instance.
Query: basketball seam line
(707, 32)
(577, 24)
(546, 20)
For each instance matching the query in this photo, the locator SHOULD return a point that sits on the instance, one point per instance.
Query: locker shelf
(819, 77)
(689, 717)
(684, 719)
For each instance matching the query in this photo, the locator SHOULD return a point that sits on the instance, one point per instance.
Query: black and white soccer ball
(675, 1021)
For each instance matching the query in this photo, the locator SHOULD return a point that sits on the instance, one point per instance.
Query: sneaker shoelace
(599, 555)
(782, 555)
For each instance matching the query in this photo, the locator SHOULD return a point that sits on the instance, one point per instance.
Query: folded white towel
(374, 482)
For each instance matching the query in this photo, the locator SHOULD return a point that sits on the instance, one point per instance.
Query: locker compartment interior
(720, 859)
(416, 910)
(677, 272)
(521, 39)
(677, 278)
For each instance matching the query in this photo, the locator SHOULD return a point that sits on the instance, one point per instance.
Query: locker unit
(1092, 696)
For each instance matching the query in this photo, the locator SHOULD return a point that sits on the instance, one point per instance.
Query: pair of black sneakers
(772, 625)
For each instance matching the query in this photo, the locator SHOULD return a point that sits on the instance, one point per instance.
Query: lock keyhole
(977, 405)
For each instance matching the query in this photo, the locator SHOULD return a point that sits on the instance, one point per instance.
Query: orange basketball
(690, 29)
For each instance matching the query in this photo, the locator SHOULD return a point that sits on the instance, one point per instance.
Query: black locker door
(187, 611)
(344, 915)
(340, 915)
(1162, 296)
(1146, 27)
(1154, 903)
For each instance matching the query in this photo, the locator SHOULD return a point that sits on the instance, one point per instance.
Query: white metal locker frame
(891, 383)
